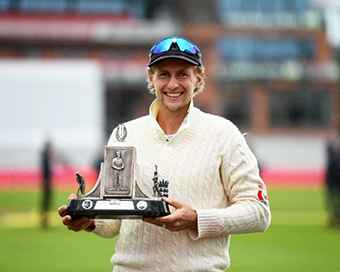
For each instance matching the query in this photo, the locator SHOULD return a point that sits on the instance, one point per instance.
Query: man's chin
(175, 107)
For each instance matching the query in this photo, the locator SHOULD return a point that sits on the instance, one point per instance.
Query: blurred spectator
(333, 181)
(47, 173)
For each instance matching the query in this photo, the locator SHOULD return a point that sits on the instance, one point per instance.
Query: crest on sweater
(262, 195)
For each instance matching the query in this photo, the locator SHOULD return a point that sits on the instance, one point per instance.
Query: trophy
(117, 194)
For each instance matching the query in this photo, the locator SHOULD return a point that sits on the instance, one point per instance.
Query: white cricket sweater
(210, 168)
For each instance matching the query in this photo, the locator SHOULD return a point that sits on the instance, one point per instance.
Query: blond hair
(199, 72)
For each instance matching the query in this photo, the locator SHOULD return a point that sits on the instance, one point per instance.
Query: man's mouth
(173, 95)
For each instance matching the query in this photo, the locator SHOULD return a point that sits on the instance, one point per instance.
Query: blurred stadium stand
(270, 70)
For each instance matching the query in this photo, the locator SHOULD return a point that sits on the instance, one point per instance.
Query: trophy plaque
(117, 194)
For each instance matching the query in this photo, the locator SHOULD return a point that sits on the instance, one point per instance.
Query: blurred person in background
(47, 172)
(333, 181)
(214, 183)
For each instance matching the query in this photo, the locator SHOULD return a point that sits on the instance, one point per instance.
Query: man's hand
(184, 217)
(83, 223)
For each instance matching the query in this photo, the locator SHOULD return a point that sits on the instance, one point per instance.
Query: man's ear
(199, 79)
(150, 77)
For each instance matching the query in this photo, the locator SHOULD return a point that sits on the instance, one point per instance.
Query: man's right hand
(83, 223)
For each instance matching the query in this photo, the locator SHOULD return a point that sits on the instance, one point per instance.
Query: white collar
(153, 112)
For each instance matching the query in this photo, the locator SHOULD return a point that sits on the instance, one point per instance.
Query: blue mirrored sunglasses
(184, 45)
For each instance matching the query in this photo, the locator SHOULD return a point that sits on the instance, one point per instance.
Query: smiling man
(214, 184)
(174, 83)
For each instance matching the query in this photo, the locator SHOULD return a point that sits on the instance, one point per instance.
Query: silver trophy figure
(116, 193)
(118, 166)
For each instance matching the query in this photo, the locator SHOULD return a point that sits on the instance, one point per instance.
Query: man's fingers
(176, 204)
(71, 197)
(61, 210)
(153, 220)
(78, 224)
(184, 217)
(83, 223)
(166, 219)
(149, 220)
(66, 220)
(64, 208)
(160, 221)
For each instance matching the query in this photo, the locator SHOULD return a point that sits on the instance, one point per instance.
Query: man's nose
(173, 83)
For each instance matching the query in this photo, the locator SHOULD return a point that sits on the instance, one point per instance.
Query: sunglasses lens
(162, 46)
(188, 47)
(183, 45)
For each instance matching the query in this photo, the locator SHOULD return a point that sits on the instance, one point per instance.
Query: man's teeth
(173, 94)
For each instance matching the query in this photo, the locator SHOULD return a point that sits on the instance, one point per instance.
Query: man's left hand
(184, 217)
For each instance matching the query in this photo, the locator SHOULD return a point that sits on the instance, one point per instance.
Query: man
(47, 173)
(214, 184)
(333, 181)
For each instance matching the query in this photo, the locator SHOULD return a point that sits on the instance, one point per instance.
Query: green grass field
(297, 240)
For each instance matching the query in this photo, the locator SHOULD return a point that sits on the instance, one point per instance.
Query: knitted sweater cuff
(209, 224)
(106, 228)
(99, 228)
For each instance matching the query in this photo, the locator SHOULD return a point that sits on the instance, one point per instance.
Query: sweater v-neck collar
(153, 112)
